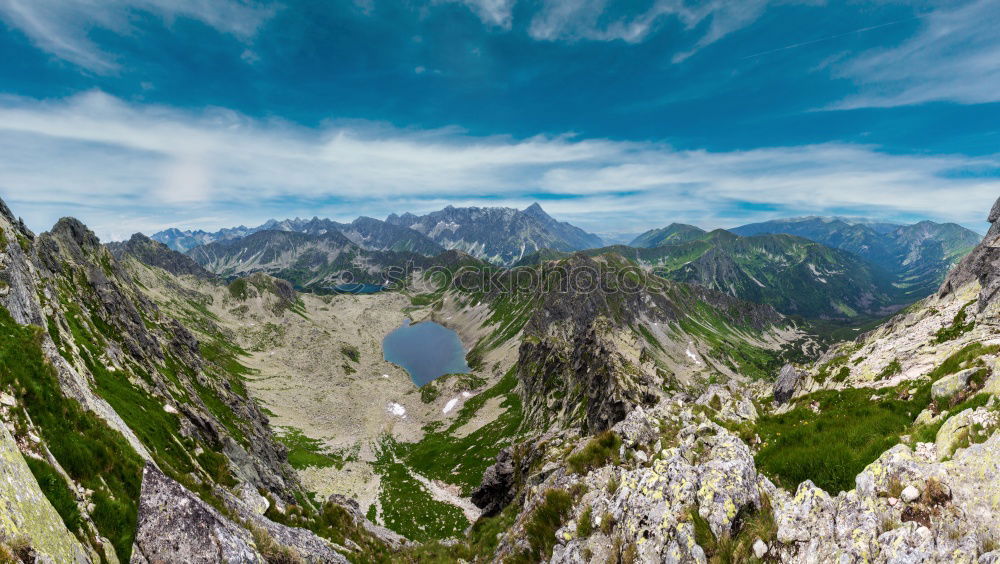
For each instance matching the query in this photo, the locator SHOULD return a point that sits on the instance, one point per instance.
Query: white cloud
(497, 13)
(63, 27)
(123, 167)
(587, 19)
(955, 56)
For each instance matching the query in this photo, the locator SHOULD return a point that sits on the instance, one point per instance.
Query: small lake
(425, 350)
(358, 288)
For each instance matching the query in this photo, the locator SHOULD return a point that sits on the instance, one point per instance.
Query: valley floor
(350, 418)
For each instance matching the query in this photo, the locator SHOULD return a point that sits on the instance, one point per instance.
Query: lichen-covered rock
(252, 499)
(26, 514)
(804, 516)
(950, 385)
(636, 429)
(174, 525)
(954, 430)
(736, 407)
(911, 543)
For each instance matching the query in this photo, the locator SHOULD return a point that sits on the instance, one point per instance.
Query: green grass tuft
(601, 450)
(541, 528)
(57, 491)
(831, 447)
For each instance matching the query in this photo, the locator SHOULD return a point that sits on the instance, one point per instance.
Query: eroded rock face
(582, 363)
(497, 489)
(788, 380)
(982, 264)
(175, 526)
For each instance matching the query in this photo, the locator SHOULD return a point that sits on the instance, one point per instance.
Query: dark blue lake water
(425, 350)
(358, 288)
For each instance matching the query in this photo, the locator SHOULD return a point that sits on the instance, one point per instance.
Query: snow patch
(396, 409)
(692, 356)
(816, 272)
(450, 405)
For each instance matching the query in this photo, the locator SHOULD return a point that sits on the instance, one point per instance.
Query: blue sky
(135, 115)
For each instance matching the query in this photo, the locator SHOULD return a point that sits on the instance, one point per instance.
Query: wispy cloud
(591, 20)
(63, 27)
(601, 20)
(954, 57)
(123, 167)
(497, 13)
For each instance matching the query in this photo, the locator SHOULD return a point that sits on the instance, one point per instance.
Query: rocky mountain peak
(536, 210)
(70, 229)
(156, 254)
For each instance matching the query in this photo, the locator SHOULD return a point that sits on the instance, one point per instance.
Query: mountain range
(501, 235)
(918, 255)
(830, 268)
(154, 411)
(796, 274)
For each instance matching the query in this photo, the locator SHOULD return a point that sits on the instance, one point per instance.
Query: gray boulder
(951, 385)
(174, 525)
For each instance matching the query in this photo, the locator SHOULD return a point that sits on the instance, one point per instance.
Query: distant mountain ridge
(795, 275)
(499, 235)
(672, 234)
(920, 255)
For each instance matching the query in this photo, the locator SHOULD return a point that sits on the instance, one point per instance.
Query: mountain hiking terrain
(156, 409)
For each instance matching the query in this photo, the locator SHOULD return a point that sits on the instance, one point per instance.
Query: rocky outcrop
(26, 516)
(786, 384)
(156, 254)
(684, 483)
(497, 488)
(298, 542)
(499, 485)
(982, 265)
(702, 469)
(176, 526)
(387, 537)
(601, 334)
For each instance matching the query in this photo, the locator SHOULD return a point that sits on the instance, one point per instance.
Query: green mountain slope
(919, 255)
(671, 235)
(796, 276)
